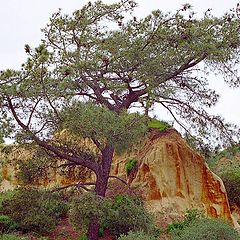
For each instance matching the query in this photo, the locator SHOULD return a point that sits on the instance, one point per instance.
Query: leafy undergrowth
(43, 215)
(34, 210)
(196, 226)
(63, 231)
(212, 229)
(130, 165)
(12, 237)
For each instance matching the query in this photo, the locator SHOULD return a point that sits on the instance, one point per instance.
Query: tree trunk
(93, 229)
(101, 188)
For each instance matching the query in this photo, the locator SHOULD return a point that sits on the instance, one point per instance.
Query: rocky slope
(174, 178)
(168, 174)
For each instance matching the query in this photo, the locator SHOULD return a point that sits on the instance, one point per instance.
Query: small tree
(94, 65)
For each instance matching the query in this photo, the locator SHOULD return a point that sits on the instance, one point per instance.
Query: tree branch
(78, 185)
(32, 112)
(123, 181)
(62, 154)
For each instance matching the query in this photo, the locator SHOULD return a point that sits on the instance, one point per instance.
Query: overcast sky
(21, 21)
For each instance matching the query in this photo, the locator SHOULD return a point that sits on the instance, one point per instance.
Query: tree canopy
(103, 54)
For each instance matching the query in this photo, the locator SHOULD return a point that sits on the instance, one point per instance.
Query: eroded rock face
(169, 175)
(48, 177)
(172, 176)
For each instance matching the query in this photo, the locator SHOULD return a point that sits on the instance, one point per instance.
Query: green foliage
(83, 237)
(34, 210)
(54, 205)
(130, 165)
(121, 65)
(119, 215)
(231, 179)
(11, 237)
(101, 230)
(31, 170)
(139, 235)
(5, 196)
(228, 153)
(157, 124)
(95, 122)
(191, 215)
(200, 229)
(226, 165)
(129, 214)
(84, 207)
(7, 224)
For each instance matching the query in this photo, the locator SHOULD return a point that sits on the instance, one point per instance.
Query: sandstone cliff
(169, 175)
(174, 178)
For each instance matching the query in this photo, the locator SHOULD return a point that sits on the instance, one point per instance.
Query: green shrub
(83, 237)
(231, 179)
(190, 216)
(120, 215)
(139, 235)
(84, 207)
(212, 229)
(7, 224)
(130, 165)
(54, 205)
(11, 237)
(4, 196)
(176, 226)
(229, 153)
(129, 214)
(34, 210)
(102, 229)
(157, 124)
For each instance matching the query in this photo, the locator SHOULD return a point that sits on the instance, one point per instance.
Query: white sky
(21, 21)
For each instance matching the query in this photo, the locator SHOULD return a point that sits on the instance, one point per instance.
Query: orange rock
(172, 176)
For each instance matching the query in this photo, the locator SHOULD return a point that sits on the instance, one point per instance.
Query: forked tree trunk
(101, 188)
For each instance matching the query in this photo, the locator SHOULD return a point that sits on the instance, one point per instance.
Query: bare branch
(32, 111)
(123, 181)
(78, 185)
(174, 117)
(62, 154)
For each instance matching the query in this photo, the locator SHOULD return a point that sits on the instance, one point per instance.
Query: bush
(231, 179)
(212, 229)
(54, 205)
(129, 214)
(130, 165)
(11, 237)
(157, 124)
(84, 207)
(136, 236)
(4, 196)
(7, 224)
(120, 215)
(32, 171)
(34, 210)
(230, 153)
(83, 237)
(190, 216)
